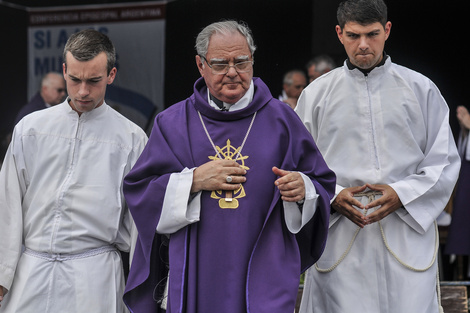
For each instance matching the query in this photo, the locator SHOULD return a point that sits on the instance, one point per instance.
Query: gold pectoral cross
(228, 152)
(228, 199)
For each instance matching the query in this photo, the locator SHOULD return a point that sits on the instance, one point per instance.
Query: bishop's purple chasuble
(240, 257)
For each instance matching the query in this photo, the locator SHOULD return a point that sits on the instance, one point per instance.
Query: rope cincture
(371, 196)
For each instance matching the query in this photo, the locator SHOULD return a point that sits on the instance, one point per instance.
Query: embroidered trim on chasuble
(228, 199)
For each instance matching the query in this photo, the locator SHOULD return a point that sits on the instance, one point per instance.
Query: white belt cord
(59, 257)
(371, 195)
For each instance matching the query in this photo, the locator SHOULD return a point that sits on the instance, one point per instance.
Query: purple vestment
(233, 260)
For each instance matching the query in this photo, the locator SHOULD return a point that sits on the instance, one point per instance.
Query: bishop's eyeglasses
(223, 68)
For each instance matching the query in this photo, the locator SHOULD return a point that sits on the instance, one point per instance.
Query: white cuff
(295, 218)
(179, 208)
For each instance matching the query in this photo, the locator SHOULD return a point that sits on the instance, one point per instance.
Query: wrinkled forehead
(225, 46)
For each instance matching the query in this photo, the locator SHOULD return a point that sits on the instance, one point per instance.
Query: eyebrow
(91, 78)
(349, 32)
(238, 58)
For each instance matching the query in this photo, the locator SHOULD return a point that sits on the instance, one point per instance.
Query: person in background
(293, 83)
(318, 66)
(51, 92)
(233, 180)
(458, 239)
(384, 130)
(61, 194)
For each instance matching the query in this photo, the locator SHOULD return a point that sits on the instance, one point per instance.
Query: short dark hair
(364, 12)
(87, 44)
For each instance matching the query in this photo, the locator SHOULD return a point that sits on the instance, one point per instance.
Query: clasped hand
(213, 176)
(344, 204)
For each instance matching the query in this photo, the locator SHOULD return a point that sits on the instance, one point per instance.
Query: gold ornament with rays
(230, 201)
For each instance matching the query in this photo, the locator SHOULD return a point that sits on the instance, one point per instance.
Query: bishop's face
(364, 44)
(229, 49)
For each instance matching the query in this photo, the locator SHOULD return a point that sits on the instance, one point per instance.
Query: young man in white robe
(383, 129)
(61, 194)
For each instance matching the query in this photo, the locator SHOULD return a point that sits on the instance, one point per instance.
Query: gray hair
(224, 27)
(87, 44)
(49, 77)
(364, 12)
(323, 63)
(288, 76)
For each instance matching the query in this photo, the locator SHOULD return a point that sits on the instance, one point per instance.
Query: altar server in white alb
(383, 129)
(61, 194)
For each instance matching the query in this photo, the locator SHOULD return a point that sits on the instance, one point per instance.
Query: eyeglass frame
(228, 66)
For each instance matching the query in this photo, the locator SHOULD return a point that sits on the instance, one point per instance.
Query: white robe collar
(240, 104)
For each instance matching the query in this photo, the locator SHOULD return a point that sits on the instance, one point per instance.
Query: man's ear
(339, 32)
(388, 27)
(200, 65)
(112, 75)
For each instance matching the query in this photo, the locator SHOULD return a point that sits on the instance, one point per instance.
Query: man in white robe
(61, 194)
(383, 129)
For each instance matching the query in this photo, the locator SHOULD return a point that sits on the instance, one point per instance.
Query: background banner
(138, 33)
